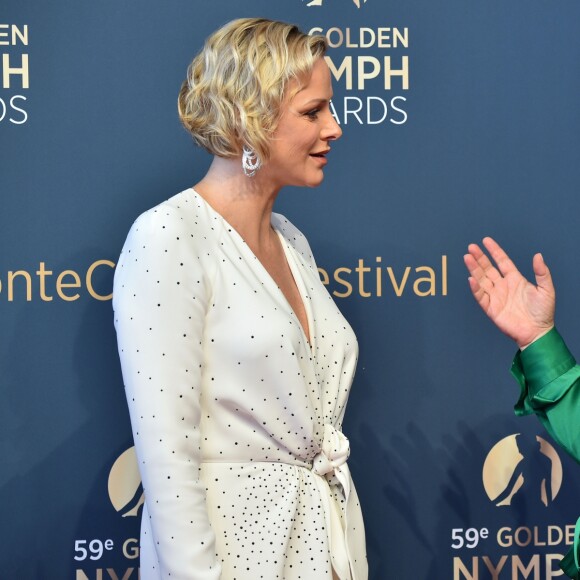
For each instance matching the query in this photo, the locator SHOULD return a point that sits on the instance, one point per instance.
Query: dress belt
(331, 459)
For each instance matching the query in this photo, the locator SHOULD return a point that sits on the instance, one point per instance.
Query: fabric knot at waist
(334, 451)
(331, 460)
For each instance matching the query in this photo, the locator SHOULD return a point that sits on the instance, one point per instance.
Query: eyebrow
(316, 100)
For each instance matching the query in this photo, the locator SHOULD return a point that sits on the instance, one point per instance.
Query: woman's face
(306, 128)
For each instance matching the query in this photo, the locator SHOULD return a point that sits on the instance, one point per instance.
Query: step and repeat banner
(460, 120)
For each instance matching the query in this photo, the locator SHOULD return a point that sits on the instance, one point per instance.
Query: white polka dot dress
(236, 417)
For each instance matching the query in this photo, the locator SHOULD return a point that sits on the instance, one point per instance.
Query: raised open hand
(518, 308)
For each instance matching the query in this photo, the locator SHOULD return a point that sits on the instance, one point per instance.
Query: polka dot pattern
(230, 405)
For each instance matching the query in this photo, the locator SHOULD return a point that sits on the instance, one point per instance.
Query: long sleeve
(161, 294)
(549, 379)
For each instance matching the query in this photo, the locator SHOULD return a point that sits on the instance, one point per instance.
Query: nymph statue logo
(521, 469)
(125, 489)
(357, 3)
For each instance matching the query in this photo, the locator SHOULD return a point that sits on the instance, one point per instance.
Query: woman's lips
(321, 156)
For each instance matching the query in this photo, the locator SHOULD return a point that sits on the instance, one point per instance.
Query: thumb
(542, 274)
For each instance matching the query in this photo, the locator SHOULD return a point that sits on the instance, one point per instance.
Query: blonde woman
(237, 364)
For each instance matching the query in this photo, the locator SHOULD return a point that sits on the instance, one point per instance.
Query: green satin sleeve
(549, 380)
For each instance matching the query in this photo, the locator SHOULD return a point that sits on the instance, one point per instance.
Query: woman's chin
(315, 180)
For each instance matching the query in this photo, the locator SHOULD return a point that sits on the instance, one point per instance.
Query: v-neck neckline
(290, 260)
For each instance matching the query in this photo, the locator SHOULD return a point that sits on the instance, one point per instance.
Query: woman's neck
(244, 202)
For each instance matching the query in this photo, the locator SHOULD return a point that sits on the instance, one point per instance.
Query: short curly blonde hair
(235, 86)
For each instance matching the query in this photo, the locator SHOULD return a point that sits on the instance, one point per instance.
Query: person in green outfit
(547, 372)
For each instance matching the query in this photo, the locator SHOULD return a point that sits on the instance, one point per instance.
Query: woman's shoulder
(170, 235)
(182, 213)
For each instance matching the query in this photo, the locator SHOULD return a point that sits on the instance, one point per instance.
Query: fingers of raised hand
(480, 295)
(480, 283)
(503, 261)
(479, 265)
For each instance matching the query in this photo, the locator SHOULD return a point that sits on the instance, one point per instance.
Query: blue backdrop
(460, 120)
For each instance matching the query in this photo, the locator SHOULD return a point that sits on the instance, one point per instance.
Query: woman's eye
(313, 114)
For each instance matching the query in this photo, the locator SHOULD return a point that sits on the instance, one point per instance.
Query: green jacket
(550, 387)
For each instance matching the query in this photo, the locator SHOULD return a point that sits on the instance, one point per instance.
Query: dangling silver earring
(250, 161)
